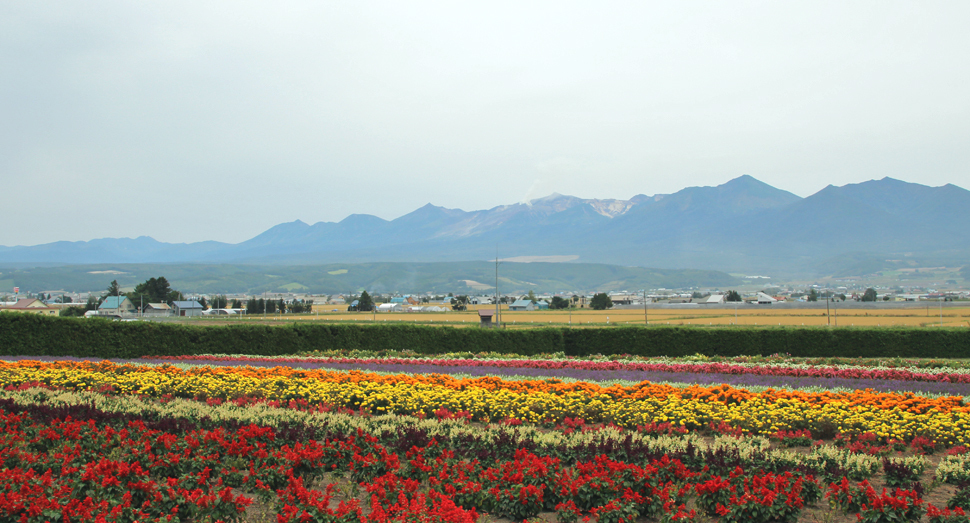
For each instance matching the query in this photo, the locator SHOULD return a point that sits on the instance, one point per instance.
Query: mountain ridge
(741, 225)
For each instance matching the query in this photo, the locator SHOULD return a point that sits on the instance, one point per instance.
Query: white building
(764, 299)
(389, 307)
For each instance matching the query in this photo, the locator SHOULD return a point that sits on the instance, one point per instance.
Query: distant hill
(456, 277)
(743, 225)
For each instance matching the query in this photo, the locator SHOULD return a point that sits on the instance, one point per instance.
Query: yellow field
(745, 315)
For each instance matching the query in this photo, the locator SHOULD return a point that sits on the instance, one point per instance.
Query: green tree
(601, 302)
(869, 295)
(251, 305)
(114, 289)
(531, 297)
(733, 296)
(236, 304)
(219, 302)
(154, 290)
(365, 303)
(281, 306)
(812, 295)
(270, 306)
(558, 303)
(92, 303)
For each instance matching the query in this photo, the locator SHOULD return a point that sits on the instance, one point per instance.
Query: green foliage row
(35, 335)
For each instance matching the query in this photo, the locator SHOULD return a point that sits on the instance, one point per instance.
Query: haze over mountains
(743, 225)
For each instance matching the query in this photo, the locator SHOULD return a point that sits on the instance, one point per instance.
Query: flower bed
(81, 441)
(944, 421)
(84, 456)
(789, 369)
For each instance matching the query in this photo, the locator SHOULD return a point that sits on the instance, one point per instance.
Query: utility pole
(646, 319)
(828, 313)
(498, 307)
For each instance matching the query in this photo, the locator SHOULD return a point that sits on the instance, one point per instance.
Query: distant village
(99, 304)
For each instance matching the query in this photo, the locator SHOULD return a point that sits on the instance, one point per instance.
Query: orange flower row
(725, 394)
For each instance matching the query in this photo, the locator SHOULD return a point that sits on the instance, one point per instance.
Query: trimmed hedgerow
(28, 334)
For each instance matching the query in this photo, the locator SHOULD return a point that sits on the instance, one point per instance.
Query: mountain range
(743, 225)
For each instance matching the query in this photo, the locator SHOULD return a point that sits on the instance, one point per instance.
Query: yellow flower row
(760, 415)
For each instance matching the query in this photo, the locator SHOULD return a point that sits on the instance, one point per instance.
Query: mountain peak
(361, 219)
(746, 181)
(545, 199)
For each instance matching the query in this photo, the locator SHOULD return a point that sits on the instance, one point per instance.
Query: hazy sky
(188, 120)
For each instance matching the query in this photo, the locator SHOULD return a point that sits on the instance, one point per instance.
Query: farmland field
(481, 437)
(924, 316)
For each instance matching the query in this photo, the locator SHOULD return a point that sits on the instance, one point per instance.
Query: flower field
(352, 439)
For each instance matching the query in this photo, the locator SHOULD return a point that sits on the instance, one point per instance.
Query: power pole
(498, 307)
(828, 314)
(646, 319)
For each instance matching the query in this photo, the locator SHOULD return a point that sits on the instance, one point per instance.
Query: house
(485, 318)
(543, 305)
(714, 299)
(117, 306)
(623, 299)
(764, 299)
(187, 308)
(522, 305)
(32, 306)
(399, 299)
(157, 309)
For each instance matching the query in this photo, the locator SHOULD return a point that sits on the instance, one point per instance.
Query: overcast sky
(188, 120)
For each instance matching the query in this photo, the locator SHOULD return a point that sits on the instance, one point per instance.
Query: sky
(189, 121)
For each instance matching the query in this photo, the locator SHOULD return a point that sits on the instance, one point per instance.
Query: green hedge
(796, 341)
(34, 335)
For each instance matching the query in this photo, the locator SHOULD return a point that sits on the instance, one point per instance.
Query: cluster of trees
(152, 290)
(559, 303)
(269, 306)
(601, 302)
(364, 303)
(222, 302)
